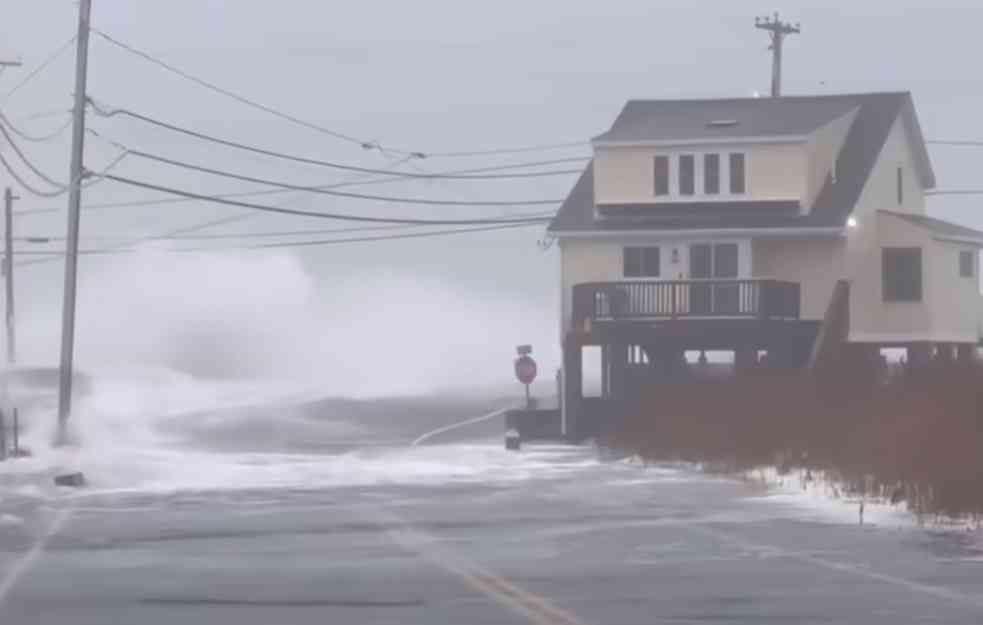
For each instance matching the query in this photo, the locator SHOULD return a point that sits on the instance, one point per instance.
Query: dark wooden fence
(671, 299)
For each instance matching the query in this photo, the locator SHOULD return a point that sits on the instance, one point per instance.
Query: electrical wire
(37, 171)
(367, 145)
(294, 244)
(321, 190)
(41, 67)
(955, 142)
(303, 213)
(238, 98)
(93, 177)
(178, 200)
(54, 134)
(102, 112)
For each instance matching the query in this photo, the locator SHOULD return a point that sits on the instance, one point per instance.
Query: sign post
(525, 370)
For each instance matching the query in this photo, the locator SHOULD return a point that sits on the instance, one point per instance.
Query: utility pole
(778, 30)
(72, 239)
(8, 200)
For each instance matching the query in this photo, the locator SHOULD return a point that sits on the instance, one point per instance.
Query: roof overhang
(974, 241)
(682, 143)
(757, 233)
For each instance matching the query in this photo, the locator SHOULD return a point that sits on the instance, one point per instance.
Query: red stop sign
(525, 369)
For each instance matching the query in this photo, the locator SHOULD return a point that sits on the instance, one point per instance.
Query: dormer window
(711, 174)
(662, 175)
(738, 171)
(699, 176)
(687, 174)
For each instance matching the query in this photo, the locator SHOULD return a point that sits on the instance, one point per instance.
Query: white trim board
(920, 337)
(757, 233)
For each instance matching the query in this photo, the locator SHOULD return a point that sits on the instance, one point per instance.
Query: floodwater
(222, 503)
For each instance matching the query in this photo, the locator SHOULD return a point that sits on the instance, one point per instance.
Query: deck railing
(671, 299)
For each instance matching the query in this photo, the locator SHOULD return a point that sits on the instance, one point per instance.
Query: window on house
(738, 184)
(966, 263)
(711, 174)
(687, 174)
(900, 186)
(641, 262)
(901, 274)
(662, 175)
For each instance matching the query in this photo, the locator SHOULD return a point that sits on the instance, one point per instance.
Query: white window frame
(698, 177)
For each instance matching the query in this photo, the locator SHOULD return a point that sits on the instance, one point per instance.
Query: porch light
(851, 222)
(675, 256)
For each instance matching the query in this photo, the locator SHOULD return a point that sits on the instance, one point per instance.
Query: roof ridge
(784, 98)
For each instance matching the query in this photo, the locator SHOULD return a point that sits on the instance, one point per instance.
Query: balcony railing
(672, 299)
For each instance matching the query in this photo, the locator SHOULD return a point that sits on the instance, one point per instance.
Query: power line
(50, 255)
(394, 177)
(241, 99)
(41, 67)
(955, 142)
(322, 190)
(218, 236)
(307, 160)
(37, 171)
(303, 213)
(36, 138)
(367, 145)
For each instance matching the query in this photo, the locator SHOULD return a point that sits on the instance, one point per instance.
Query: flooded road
(330, 516)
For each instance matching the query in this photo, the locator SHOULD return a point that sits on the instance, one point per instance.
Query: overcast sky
(440, 75)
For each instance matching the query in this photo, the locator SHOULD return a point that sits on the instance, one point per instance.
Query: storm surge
(210, 370)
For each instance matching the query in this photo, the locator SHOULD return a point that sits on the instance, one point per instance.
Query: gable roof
(790, 116)
(938, 227)
(689, 120)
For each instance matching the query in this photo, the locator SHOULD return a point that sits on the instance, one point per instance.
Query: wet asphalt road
(567, 539)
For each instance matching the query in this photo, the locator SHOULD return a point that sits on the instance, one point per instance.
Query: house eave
(960, 240)
(657, 143)
(817, 231)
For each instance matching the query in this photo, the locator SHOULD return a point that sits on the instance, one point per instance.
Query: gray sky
(436, 75)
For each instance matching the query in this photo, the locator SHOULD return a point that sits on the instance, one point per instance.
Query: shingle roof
(876, 113)
(687, 120)
(938, 226)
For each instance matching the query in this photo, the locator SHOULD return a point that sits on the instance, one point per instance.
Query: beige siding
(626, 174)
(955, 300)
(871, 318)
(816, 264)
(880, 192)
(594, 260)
(823, 148)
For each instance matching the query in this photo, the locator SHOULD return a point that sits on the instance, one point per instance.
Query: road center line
(537, 609)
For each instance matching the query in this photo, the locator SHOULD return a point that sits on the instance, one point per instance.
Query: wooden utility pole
(72, 240)
(8, 200)
(778, 30)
